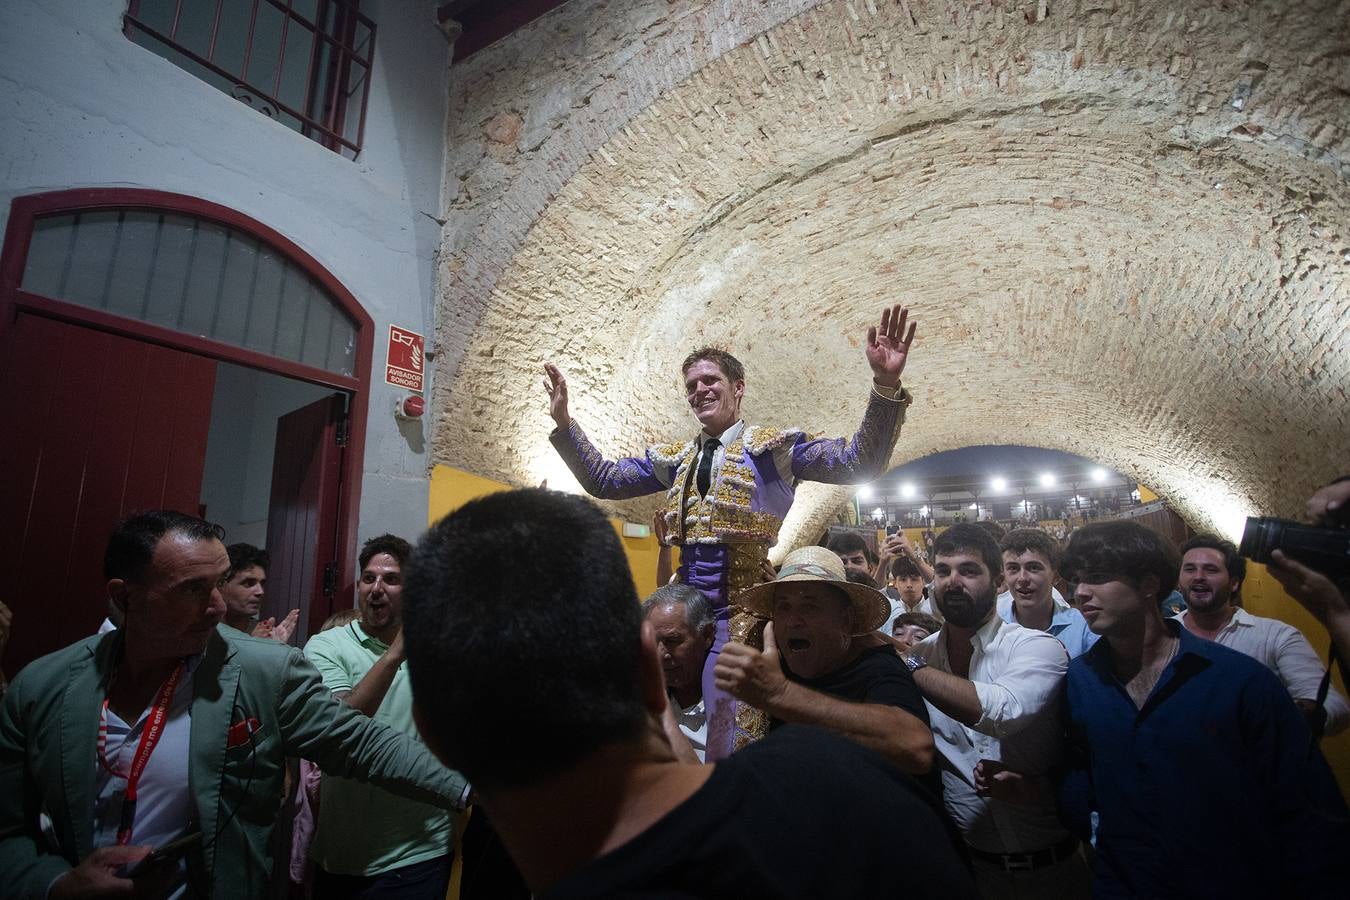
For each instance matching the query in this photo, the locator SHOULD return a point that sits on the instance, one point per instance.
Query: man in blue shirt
(1206, 778)
(1030, 569)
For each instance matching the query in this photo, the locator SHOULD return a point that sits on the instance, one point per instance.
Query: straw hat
(870, 607)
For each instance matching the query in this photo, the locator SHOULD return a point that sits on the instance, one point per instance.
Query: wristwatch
(915, 663)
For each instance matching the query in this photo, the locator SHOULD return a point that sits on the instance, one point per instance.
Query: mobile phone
(173, 851)
(892, 529)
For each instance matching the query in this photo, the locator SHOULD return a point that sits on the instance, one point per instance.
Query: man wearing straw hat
(822, 665)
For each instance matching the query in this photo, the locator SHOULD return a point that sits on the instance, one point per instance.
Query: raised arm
(1031, 682)
(607, 479)
(864, 457)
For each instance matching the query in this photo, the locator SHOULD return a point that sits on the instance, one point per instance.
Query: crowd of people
(1014, 716)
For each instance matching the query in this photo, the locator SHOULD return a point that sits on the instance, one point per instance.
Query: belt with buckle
(1028, 862)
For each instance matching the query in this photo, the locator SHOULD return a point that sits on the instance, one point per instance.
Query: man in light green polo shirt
(370, 843)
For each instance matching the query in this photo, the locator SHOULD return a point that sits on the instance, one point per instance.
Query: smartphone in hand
(171, 852)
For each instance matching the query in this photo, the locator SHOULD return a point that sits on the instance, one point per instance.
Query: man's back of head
(536, 680)
(503, 655)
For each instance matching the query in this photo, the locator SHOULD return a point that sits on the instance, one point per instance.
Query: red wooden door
(99, 426)
(302, 518)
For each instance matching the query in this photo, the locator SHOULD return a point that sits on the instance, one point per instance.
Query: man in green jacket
(172, 726)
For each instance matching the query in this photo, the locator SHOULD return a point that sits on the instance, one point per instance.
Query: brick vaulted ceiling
(1123, 228)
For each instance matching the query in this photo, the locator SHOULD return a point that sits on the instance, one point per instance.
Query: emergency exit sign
(403, 365)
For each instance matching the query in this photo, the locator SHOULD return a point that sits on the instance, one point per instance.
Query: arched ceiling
(1123, 229)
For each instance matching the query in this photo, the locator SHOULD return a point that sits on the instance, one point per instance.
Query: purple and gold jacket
(725, 535)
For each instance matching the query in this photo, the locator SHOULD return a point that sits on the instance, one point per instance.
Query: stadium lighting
(1047, 479)
(998, 484)
(907, 490)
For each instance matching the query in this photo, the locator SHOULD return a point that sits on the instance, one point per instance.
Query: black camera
(1325, 549)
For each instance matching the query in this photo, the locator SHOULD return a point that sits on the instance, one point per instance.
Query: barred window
(192, 275)
(305, 63)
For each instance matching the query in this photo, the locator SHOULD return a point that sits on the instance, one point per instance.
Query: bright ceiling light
(1047, 479)
(1099, 475)
(998, 484)
(865, 492)
(907, 490)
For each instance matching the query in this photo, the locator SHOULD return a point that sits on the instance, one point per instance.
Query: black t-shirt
(802, 813)
(877, 675)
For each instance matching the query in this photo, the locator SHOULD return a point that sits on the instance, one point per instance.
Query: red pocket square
(240, 732)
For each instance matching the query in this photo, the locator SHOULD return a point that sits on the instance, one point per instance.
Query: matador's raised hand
(556, 387)
(888, 345)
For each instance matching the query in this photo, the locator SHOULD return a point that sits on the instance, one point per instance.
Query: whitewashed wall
(82, 106)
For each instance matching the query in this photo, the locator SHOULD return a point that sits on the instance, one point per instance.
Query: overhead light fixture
(998, 484)
(907, 490)
(1099, 474)
(1047, 479)
(865, 492)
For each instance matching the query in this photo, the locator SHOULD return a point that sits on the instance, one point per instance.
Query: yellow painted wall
(1262, 595)
(451, 488)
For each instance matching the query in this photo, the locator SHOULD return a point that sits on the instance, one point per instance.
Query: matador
(728, 489)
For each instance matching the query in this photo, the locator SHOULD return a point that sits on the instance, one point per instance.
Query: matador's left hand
(888, 345)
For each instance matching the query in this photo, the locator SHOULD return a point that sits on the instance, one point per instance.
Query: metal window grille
(305, 63)
(191, 275)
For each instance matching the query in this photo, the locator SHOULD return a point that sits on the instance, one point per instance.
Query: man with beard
(683, 621)
(369, 842)
(1211, 578)
(992, 689)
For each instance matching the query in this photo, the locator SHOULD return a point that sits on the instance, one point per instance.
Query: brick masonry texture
(1123, 228)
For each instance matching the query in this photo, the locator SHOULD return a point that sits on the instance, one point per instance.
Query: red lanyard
(150, 735)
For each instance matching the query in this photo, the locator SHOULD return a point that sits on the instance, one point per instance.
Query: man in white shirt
(683, 620)
(1212, 571)
(992, 690)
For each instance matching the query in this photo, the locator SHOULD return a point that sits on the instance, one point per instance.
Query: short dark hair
(246, 556)
(904, 567)
(1123, 549)
(855, 577)
(930, 624)
(849, 542)
(995, 529)
(698, 612)
(971, 538)
(548, 643)
(392, 544)
(731, 366)
(1035, 540)
(1233, 561)
(132, 543)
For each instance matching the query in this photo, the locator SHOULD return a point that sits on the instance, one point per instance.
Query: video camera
(1325, 549)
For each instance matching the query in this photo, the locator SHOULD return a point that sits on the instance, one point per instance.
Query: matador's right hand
(556, 387)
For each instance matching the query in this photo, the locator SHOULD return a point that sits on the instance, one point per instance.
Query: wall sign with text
(404, 364)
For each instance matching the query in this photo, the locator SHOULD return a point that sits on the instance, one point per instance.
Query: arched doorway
(138, 331)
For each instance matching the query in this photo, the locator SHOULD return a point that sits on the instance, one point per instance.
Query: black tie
(705, 462)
